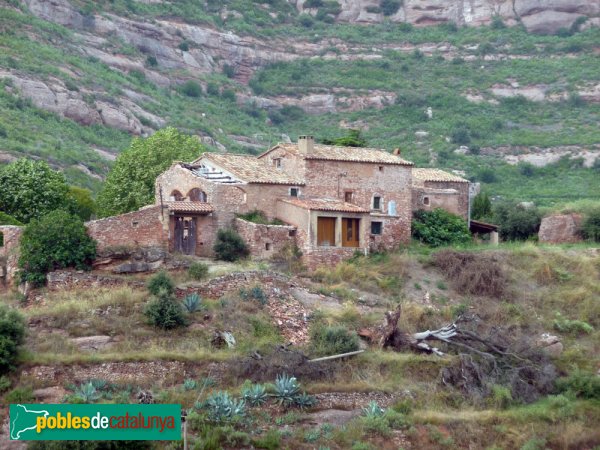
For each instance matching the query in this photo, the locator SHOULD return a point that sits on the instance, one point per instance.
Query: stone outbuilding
(560, 228)
(435, 188)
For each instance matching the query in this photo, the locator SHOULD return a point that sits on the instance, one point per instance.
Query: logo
(95, 422)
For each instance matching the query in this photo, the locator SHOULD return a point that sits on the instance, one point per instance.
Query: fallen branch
(341, 355)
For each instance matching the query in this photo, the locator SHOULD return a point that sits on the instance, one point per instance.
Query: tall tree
(31, 189)
(130, 183)
(352, 139)
(482, 206)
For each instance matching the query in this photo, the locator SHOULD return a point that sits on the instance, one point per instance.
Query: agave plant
(373, 410)
(189, 384)
(286, 389)
(87, 392)
(304, 400)
(192, 302)
(255, 395)
(222, 407)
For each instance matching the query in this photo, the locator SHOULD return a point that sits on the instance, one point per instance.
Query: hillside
(100, 336)
(81, 78)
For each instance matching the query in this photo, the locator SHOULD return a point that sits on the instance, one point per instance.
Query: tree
(164, 311)
(130, 183)
(591, 225)
(352, 139)
(12, 333)
(83, 205)
(56, 241)
(482, 207)
(439, 227)
(517, 222)
(31, 189)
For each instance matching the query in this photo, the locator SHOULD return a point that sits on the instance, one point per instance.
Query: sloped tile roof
(352, 154)
(420, 174)
(324, 204)
(250, 169)
(191, 207)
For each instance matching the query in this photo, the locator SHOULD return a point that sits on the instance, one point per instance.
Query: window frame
(380, 223)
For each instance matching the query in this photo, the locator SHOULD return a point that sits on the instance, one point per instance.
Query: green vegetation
(259, 217)
(481, 208)
(326, 341)
(439, 227)
(198, 271)
(229, 246)
(31, 189)
(165, 312)
(591, 225)
(161, 282)
(130, 183)
(12, 334)
(6, 219)
(517, 222)
(56, 241)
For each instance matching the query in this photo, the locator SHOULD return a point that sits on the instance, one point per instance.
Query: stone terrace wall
(264, 241)
(214, 288)
(9, 254)
(327, 256)
(143, 228)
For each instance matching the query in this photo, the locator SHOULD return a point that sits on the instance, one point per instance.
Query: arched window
(176, 196)
(197, 195)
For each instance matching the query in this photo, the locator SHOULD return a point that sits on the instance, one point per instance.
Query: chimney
(306, 144)
(396, 151)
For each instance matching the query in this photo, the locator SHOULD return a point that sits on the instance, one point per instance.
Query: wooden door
(326, 231)
(184, 239)
(350, 232)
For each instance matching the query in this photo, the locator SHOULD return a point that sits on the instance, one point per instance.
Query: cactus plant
(373, 410)
(222, 407)
(192, 303)
(87, 392)
(286, 389)
(255, 395)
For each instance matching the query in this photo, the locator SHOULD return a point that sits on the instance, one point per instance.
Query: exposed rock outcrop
(560, 228)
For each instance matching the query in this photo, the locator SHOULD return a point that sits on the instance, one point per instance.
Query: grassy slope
(543, 281)
(420, 82)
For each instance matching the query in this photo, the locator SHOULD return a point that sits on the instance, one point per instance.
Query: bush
(228, 71)
(5, 219)
(212, 88)
(191, 89)
(574, 327)
(305, 20)
(151, 61)
(12, 333)
(325, 341)
(439, 227)
(56, 241)
(230, 246)
(390, 7)
(590, 227)
(165, 312)
(198, 271)
(517, 222)
(487, 176)
(482, 206)
(472, 273)
(581, 384)
(161, 283)
(461, 135)
(497, 23)
(184, 46)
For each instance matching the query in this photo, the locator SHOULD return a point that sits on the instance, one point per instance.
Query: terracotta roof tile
(324, 204)
(191, 207)
(353, 154)
(250, 169)
(420, 174)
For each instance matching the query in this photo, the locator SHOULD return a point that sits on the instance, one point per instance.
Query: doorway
(185, 235)
(350, 229)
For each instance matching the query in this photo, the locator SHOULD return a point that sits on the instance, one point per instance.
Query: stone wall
(143, 228)
(560, 228)
(327, 256)
(9, 254)
(264, 241)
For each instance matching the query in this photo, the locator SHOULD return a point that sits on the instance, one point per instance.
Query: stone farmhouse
(332, 200)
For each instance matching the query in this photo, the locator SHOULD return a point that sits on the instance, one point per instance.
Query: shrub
(305, 20)
(222, 407)
(161, 283)
(212, 88)
(526, 169)
(198, 271)
(254, 293)
(517, 222)
(439, 227)
(472, 273)
(165, 312)
(12, 333)
(5, 219)
(574, 327)
(151, 61)
(590, 227)
(228, 94)
(286, 389)
(228, 71)
(390, 7)
(581, 384)
(497, 23)
(487, 175)
(191, 89)
(461, 135)
(230, 246)
(184, 46)
(56, 241)
(334, 340)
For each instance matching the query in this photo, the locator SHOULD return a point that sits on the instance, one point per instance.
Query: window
(348, 196)
(134, 223)
(267, 246)
(426, 200)
(294, 192)
(376, 227)
(381, 168)
(277, 162)
(292, 233)
(1, 239)
(377, 202)
(326, 231)
(176, 196)
(197, 195)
